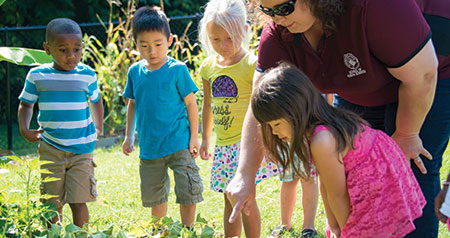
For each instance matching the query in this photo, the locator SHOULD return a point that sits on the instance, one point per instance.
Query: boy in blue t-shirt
(161, 101)
(67, 133)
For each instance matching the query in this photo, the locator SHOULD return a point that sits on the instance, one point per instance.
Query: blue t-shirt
(63, 105)
(161, 117)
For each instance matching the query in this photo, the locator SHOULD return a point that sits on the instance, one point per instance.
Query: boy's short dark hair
(150, 19)
(61, 26)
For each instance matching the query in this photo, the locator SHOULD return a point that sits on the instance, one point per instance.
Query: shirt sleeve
(94, 92)
(185, 84)
(396, 30)
(271, 49)
(202, 69)
(129, 92)
(29, 92)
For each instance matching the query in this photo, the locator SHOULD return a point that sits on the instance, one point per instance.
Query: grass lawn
(119, 197)
(19, 144)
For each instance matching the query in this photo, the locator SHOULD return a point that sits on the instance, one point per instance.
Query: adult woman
(377, 55)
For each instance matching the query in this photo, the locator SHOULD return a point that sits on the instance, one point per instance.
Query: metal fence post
(8, 97)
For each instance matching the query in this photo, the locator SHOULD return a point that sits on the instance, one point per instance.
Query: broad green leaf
(207, 232)
(109, 231)
(72, 228)
(54, 231)
(24, 56)
(49, 211)
(201, 219)
(99, 235)
(166, 220)
(2, 1)
(5, 160)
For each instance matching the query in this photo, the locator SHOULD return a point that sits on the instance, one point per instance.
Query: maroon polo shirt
(371, 36)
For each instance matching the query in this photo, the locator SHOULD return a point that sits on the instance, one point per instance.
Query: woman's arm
(415, 95)
(242, 187)
(332, 175)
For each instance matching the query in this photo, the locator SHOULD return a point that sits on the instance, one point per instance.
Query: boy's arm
(192, 112)
(97, 115)
(207, 122)
(127, 146)
(332, 174)
(25, 113)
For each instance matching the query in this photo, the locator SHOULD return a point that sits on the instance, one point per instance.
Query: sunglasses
(283, 9)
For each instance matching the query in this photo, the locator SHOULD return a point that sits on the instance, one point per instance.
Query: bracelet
(446, 183)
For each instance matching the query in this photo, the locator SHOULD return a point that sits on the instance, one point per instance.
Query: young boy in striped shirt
(67, 133)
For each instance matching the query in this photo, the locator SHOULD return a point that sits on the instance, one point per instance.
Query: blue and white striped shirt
(63, 105)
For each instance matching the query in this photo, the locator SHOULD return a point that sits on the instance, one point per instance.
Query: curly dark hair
(327, 11)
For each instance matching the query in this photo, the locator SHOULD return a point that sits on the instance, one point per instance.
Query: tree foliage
(40, 12)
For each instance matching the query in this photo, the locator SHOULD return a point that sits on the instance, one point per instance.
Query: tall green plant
(111, 61)
(22, 215)
(192, 55)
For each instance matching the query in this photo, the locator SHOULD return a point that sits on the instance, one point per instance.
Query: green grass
(119, 196)
(119, 200)
(19, 145)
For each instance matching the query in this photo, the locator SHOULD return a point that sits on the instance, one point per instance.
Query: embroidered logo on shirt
(353, 64)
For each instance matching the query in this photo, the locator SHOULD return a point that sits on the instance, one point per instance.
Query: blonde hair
(231, 15)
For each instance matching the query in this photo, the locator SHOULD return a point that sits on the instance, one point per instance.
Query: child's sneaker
(309, 233)
(279, 231)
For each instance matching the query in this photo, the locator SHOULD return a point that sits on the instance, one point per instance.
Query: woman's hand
(240, 191)
(412, 147)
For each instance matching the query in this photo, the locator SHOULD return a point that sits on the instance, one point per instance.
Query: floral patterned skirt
(225, 163)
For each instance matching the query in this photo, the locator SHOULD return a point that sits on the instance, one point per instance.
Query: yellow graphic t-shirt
(231, 88)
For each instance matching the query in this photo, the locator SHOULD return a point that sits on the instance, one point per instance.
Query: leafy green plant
(111, 61)
(22, 213)
(24, 56)
(192, 55)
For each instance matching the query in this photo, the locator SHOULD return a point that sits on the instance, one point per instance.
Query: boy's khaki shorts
(155, 180)
(75, 172)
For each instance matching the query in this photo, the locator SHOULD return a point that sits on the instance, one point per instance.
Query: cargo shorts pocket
(195, 181)
(93, 186)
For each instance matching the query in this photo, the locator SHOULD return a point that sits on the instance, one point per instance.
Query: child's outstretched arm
(97, 115)
(207, 121)
(192, 112)
(127, 145)
(332, 174)
(25, 113)
(331, 219)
